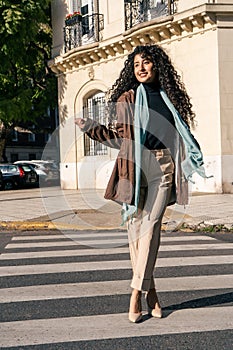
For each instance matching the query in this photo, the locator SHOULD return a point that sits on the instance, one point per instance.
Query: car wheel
(8, 185)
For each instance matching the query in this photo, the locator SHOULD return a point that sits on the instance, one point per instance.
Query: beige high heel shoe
(155, 311)
(136, 316)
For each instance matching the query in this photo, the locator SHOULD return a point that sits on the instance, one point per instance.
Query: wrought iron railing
(138, 11)
(82, 30)
(94, 107)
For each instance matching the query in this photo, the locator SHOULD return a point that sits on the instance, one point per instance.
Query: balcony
(138, 11)
(82, 30)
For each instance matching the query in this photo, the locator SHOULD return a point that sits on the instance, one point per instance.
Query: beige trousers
(144, 230)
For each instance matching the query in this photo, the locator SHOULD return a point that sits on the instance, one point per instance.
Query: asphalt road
(71, 291)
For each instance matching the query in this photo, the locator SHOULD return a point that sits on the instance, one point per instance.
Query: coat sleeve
(109, 136)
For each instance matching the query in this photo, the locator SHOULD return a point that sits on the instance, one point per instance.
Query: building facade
(91, 41)
(34, 142)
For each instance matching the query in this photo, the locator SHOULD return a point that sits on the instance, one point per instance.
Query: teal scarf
(194, 158)
(193, 161)
(140, 127)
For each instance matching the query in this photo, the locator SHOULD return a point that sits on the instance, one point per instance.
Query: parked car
(47, 171)
(18, 176)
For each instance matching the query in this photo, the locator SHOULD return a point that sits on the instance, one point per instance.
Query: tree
(27, 86)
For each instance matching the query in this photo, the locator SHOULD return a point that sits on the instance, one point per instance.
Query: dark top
(161, 126)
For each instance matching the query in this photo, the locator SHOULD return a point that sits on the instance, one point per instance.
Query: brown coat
(120, 187)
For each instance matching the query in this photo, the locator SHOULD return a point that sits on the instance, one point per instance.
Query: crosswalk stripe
(78, 290)
(110, 241)
(104, 234)
(121, 250)
(68, 243)
(111, 265)
(22, 333)
(61, 268)
(63, 253)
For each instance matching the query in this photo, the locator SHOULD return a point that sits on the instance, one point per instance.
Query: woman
(157, 157)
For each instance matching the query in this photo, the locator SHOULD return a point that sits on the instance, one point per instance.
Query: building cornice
(161, 30)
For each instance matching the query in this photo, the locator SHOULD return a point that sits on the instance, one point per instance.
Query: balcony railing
(138, 11)
(83, 30)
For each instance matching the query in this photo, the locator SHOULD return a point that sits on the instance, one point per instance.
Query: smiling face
(143, 69)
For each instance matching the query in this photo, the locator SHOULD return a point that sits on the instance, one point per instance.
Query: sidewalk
(52, 207)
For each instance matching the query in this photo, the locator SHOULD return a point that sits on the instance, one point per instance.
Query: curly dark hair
(168, 79)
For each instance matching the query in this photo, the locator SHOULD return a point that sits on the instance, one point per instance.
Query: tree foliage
(27, 87)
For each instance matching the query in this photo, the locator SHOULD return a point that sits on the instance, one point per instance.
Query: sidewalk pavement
(53, 208)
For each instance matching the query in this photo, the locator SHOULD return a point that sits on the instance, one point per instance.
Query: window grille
(94, 108)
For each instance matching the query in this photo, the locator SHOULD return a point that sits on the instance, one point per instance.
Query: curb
(36, 225)
(48, 225)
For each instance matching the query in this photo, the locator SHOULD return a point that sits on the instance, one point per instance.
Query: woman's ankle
(136, 292)
(135, 301)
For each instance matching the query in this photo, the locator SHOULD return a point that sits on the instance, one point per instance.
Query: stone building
(89, 49)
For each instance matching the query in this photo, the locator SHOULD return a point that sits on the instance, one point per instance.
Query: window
(94, 108)
(78, 32)
(85, 7)
(138, 11)
(73, 5)
(31, 137)
(160, 8)
(85, 20)
(47, 137)
(14, 135)
(76, 5)
(48, 112)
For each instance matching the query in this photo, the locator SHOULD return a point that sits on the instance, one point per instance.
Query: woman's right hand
(80, 122)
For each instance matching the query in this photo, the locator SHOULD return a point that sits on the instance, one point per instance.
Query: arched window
(94, 108)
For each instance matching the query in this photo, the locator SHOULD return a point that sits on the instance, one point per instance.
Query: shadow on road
(200, 303)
